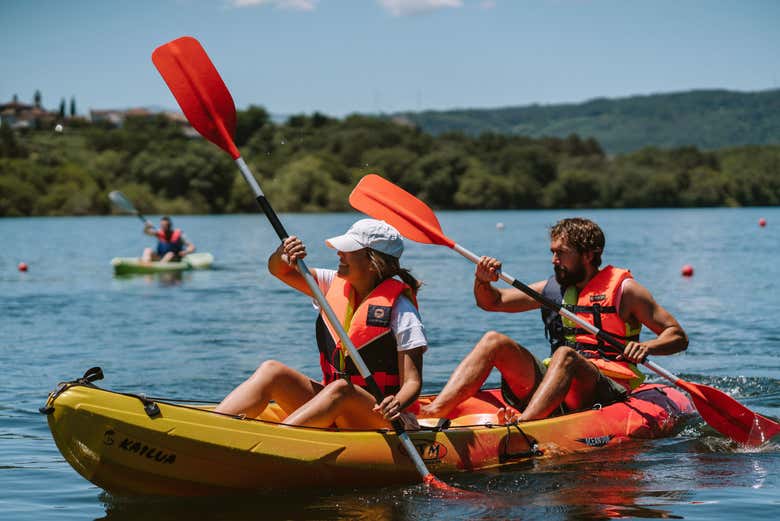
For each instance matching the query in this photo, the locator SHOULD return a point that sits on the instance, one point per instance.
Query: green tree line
(311, 163)
(706, 119)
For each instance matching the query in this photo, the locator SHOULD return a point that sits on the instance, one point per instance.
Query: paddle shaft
(124, 203)
(143, 219)
(361, 366)
(550, 304)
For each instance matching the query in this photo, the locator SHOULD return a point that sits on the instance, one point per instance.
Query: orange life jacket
(596, 304)
(368, 326)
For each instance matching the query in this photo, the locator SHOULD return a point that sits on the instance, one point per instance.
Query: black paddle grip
(272, 217)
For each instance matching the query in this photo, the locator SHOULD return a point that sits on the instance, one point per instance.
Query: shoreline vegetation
(311, 163)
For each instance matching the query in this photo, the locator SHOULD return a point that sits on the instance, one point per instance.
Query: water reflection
(608, 484)
(384, 505)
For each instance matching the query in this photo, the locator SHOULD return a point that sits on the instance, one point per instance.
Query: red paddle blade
(447, 490)
(381, 199)
(199, 89)
(729, 417)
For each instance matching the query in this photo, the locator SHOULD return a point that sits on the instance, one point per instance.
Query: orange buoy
(22, 266)
(762, 222)
(687, 270)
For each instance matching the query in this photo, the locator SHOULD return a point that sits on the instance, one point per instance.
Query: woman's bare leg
(271, 381)
(342, 403)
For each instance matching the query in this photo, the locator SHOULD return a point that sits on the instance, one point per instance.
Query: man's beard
(568, 278)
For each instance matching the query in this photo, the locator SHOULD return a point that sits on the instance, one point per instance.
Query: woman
(377, 310)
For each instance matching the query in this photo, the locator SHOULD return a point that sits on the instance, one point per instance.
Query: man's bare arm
(639, 302)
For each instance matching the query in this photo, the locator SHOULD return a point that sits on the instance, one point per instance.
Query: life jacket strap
(595, 309)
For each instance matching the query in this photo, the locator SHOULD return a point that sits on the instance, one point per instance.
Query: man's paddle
(119, 199)
(382, 199)
(208, 105)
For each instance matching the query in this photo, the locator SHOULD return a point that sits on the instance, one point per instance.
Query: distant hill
(707, 119)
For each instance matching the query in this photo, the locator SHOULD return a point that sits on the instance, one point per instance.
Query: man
(582, 370)
(172, 245)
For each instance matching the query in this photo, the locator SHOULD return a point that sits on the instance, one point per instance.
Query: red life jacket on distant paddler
(596, 303)
(368, 327)
(174, 244)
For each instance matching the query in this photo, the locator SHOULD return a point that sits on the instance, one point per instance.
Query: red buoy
(687, 271)
(22, 266)
(762, 222)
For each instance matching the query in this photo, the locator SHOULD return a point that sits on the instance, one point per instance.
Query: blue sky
(344, 56)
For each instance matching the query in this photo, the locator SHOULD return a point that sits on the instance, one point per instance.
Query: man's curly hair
(581, 234)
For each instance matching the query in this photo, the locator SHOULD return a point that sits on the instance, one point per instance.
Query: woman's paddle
(119, 199)
(382, 199)
(208, 105)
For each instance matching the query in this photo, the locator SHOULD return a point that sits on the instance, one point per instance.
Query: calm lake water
(199, 335)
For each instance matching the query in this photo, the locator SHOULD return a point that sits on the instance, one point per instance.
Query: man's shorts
(607, 391)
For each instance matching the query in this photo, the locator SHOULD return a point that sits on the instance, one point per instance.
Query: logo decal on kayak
(596, 441)
(140, 449)
(429, 451)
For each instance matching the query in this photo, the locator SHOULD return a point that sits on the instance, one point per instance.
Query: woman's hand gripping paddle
(124, 204)
(208, 105)
(381, 199)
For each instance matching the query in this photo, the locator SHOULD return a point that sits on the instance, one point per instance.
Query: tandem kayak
(130, 444)
(130, 265)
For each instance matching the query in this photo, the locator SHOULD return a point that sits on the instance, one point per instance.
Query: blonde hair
(387, 266)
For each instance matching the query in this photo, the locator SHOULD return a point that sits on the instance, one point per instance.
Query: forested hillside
(310, 163)
(706, 119)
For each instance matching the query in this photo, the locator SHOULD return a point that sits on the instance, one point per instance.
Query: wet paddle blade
(199, 89)
(119, 199)
(729, 417)
(381, 199)
(447, 490)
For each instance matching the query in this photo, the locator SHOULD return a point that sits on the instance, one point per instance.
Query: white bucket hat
(369, 233)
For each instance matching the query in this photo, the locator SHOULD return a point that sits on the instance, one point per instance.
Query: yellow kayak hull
(127, 444)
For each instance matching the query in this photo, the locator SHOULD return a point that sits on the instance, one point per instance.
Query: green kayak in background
(131, 265)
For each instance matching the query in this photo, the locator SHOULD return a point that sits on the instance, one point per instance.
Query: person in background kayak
(172, 245)
(582, 370)
(376, 301)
